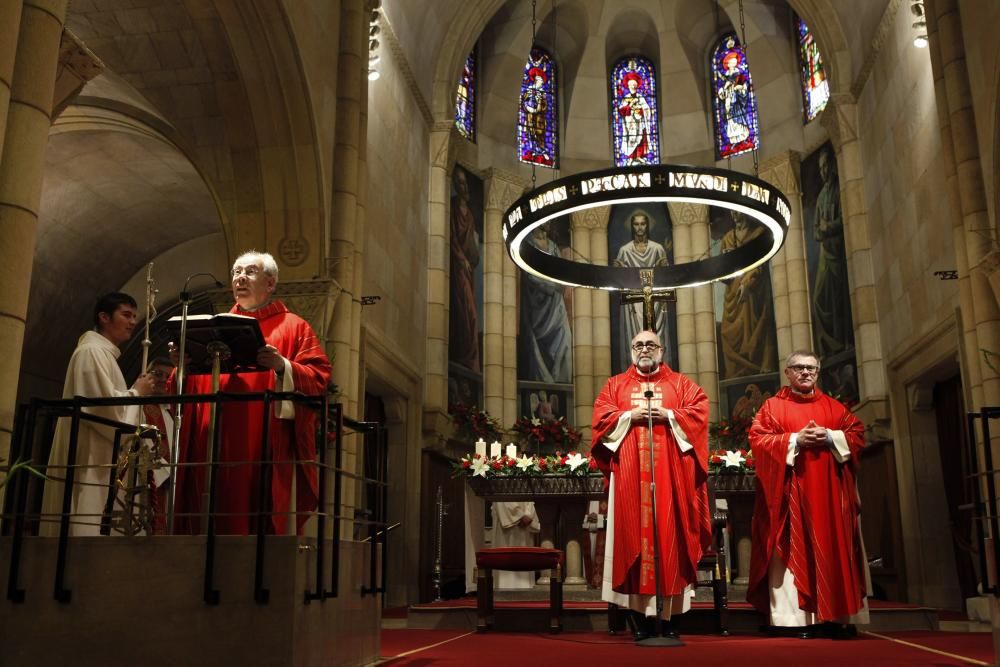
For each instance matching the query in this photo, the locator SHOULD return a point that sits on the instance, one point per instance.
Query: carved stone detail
(782, 171)
(502, 189)
(591, 218)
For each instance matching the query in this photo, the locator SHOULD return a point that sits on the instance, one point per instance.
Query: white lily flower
(536, 422)
(479, 467)
(575, 460)
(525, 462)
(732, 459)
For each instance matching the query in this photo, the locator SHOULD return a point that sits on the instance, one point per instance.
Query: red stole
(807, 512)
(682, 513)
(293, 442)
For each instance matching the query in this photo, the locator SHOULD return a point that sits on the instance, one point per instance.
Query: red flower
(751, 464)
(592, 464)
(542, 464)
(497, 465)
(466, 464)
(716, 458)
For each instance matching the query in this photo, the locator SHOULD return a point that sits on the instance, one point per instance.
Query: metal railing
(333, 427)
(984, 511)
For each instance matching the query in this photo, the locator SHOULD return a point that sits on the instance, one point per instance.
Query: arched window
(815, 88)
(537, 117)
(465, 99)
(635, 121)
(734, 99)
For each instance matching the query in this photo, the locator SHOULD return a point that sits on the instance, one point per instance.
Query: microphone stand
(659, 640)
(185, 299)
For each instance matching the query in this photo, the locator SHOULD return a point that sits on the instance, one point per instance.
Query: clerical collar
(650, 373)
(270, 309)
(802, 393)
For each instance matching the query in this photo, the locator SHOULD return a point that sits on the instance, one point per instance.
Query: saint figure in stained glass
(735, 103)
(465, 99)
(633, 113)
(536, 128)
(815, 87)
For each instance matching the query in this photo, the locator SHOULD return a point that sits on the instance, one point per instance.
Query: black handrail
(334, 421)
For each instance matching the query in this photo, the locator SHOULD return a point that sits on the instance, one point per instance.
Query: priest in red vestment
(621, 448)
(807, 564)
(295, 361)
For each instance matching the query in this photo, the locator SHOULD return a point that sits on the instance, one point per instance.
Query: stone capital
(77, 66)
(591, 218)
(502, 188)
(841, 120)
(687, 213)
(782, 171)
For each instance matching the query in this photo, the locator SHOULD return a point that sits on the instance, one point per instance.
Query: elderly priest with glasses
(621, 437)
(291, 360)
(807, 569)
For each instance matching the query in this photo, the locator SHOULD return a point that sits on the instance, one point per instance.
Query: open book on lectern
(240, 334)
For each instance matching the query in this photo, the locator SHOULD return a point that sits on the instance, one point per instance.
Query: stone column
(22, 163)
(975, 236)
(10, 24)
(583, 332)
(346, 212)
(589, 244)
(600, 302)
(511, 408)
(841, 120)
(438, 248)
(789, 274)
(704, 318)
(502, 189)
(683, 216)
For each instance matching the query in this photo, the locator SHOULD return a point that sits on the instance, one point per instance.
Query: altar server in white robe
(93, 372)
(515, 525)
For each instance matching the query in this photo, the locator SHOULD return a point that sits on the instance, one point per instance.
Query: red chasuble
(683, 519)
(238, 486)
(807, 512)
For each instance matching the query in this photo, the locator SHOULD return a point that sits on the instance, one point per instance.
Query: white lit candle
(511, 451)
(495, 449)
(481, 447)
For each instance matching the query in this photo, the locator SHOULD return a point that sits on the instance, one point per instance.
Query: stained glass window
(537, 117)
(465, 99)
(634, 119)
(735, 102)
(815, 87)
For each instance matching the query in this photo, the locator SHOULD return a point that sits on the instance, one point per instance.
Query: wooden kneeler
(518, 559)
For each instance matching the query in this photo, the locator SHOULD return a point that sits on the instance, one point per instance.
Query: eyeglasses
(248, 271)
(649, 345)
(804, 368)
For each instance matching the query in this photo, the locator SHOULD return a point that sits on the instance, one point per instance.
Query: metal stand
(440, 513)
(659, 640)
(178, 414)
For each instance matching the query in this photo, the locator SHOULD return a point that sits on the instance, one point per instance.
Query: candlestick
(512, 451)
(495, 449)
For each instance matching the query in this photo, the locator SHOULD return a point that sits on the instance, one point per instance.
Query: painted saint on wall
(545, 341)
(744, 305)
(830, 295)
(465, 288)
(640, 237)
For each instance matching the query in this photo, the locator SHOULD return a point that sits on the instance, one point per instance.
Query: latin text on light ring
(760, 201)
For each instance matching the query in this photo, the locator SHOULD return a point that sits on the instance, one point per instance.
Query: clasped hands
(642, 412)
(812, 435)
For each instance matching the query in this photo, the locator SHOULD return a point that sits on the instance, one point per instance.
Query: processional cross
(647, 297)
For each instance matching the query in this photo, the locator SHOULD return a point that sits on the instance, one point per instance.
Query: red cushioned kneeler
(518, 559)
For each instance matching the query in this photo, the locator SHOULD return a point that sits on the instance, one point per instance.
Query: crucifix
(647, 297)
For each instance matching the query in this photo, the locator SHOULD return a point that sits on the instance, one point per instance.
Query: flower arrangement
(571, 464)
(729, 447)
(731, 462)
(470, 424)
(551, 435)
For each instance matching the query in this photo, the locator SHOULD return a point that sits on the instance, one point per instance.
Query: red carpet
(528, 650)
(470, 603)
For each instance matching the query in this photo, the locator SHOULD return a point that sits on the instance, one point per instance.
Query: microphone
(648, 393)
(185, 295)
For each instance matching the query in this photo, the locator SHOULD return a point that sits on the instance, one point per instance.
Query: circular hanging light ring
(760, 201)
